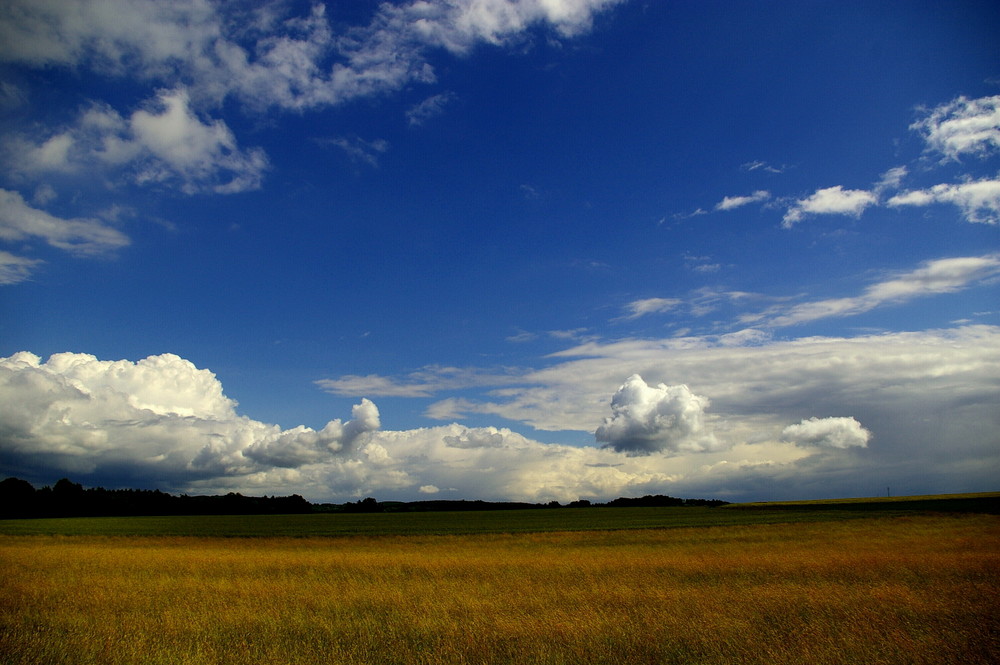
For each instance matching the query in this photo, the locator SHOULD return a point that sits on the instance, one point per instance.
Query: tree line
(19, 498)
(370, 505)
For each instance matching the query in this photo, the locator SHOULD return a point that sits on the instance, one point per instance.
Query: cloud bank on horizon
(163, 421)
(822, 324)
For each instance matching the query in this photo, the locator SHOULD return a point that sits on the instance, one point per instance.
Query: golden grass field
(907, 590)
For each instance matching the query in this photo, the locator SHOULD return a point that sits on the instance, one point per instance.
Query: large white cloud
(160, 418)
(164, 385)
(662, 418)
(928, 397)
(301, 445)
(165, 423)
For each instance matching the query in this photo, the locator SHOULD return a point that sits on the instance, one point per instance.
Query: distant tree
(708, 503)
(68, 498)
(17, 498)
(65, 487)
(658, 500)
(368, 505)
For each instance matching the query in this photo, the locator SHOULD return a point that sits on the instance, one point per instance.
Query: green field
(705, 586)
(381, 524)
(496, 521)
(978, 502)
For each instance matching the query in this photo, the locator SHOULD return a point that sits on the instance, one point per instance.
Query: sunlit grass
(920, 589)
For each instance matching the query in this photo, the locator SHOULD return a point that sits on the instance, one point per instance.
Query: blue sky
(501, 249)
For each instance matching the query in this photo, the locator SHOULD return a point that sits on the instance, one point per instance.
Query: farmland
(654, 586)
(391, 524)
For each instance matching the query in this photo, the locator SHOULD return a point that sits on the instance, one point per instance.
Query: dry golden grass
(904, 590)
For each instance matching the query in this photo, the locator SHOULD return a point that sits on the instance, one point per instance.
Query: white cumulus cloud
(161, 417)
(302, 445)
(662, 418)
(835, 432)
(829, 201)
(162, 422)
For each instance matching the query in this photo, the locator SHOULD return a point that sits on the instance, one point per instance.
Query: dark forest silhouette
(19, 498)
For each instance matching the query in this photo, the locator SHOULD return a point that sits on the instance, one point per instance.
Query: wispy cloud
(573, 334)
(197, 55)
(271, 58)
(80, 236)
(758, 165)
(429, 108)
(422, 383)
(15, 269)
(358, 149)
(164, 142)
(979, 200)
(891, 179)
(702, 264)
(697, 303)
(732, 202)
(645, 306)
(932, 278)
(962, 127)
